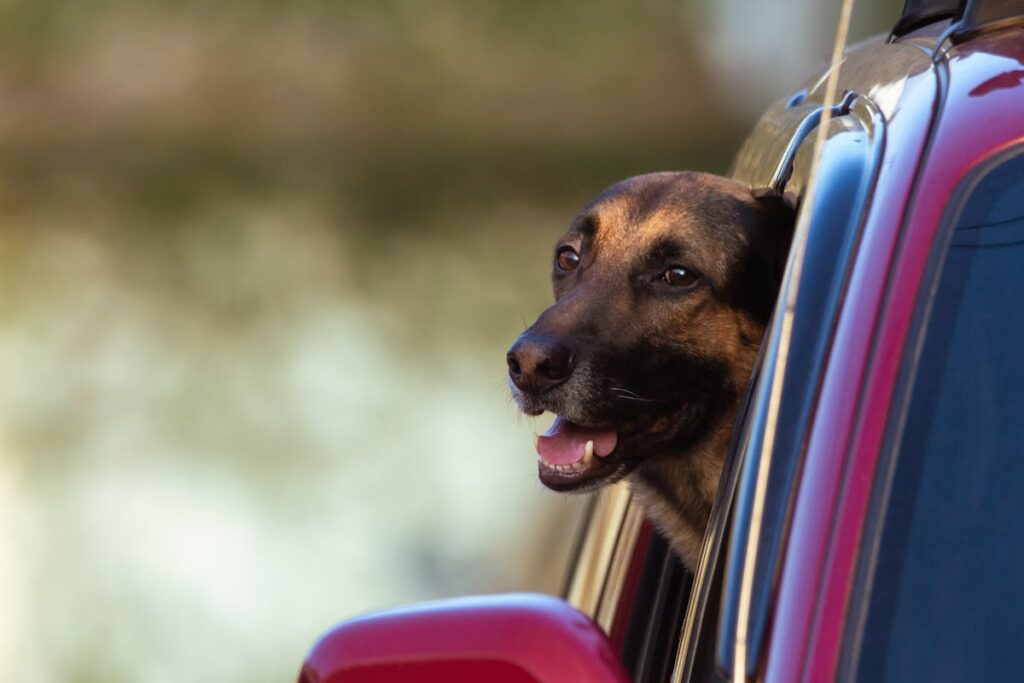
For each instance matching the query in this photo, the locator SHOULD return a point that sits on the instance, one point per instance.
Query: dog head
(663, 286)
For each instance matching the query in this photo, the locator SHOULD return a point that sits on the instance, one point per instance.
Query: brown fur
(685, 353)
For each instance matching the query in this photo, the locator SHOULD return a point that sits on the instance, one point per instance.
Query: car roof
(968, 17)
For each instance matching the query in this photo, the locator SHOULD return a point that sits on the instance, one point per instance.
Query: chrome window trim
(602, 551)
(622, 558)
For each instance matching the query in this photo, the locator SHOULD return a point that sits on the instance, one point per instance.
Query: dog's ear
(778, 220)
(783, 204)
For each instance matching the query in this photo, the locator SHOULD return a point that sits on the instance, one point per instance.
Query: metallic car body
(979, 119)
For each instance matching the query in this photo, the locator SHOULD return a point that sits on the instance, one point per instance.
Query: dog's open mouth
(570, 455)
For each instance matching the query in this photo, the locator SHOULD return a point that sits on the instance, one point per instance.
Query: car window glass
(944, 604)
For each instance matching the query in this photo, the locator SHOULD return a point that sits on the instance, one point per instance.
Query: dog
(664, 285)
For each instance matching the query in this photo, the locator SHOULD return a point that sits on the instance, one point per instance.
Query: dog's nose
(539, 363)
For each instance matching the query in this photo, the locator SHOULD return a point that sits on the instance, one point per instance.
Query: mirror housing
(516, 638)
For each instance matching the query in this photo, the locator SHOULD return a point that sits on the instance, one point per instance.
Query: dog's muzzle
(537, 364)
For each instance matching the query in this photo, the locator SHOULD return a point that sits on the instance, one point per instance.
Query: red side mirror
(519, 638)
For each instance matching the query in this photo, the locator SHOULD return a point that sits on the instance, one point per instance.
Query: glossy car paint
(979, 116)
(521, 638)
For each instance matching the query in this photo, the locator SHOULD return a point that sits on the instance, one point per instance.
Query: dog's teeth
(573, 468)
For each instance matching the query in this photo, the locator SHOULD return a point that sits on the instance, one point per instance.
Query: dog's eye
(677, 276)
(567, 259)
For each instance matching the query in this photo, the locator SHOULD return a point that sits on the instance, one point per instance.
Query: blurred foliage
(391, 113)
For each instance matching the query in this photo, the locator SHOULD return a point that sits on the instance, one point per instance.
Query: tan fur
(681, 514)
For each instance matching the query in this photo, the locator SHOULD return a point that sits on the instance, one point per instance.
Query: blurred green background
(260, 265)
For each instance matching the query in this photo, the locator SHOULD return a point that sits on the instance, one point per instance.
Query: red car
(866, 522)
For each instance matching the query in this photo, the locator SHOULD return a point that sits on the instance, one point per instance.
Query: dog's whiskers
(623, 393)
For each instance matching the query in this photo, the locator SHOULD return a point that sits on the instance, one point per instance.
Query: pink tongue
(565, 442)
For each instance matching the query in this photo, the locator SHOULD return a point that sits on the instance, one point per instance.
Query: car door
(822, 619)
(935, 582)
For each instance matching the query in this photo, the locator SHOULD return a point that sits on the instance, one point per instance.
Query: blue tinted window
(947, 603)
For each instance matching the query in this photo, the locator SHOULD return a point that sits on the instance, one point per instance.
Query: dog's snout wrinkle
(537, 364)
